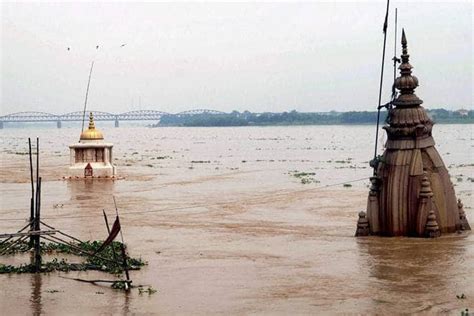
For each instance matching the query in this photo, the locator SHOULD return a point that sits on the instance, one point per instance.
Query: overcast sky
(317, 56)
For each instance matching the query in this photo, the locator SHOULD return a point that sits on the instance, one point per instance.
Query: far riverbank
(439, 116)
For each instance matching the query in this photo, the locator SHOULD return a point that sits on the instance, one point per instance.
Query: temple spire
(91, 121)
(404, 42)
(91, 133)
(406, 83)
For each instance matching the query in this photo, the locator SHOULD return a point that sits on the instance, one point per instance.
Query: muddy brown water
(227, 229)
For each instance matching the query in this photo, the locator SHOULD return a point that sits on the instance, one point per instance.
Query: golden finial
(91, 133)
(91, 121)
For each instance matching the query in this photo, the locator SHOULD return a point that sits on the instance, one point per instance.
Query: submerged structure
(91, 156)
(411, 192)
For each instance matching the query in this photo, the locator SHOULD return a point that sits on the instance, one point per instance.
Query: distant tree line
(247, 118)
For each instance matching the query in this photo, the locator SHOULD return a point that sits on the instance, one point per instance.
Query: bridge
(142, 115)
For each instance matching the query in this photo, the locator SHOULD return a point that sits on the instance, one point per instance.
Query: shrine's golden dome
(91, 133)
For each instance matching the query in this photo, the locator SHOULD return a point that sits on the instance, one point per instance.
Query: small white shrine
(91, 157)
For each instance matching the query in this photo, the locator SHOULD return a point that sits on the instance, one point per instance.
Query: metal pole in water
(381, 85)
(87, 94)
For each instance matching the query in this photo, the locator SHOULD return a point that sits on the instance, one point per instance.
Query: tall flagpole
(380, 87)
(87, 94)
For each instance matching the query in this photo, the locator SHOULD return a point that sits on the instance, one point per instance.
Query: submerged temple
(91, 156)
(411, 192)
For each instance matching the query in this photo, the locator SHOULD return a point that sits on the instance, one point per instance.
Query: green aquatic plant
(149, 290)
(108, 260)
(119, 285)
(305, 177)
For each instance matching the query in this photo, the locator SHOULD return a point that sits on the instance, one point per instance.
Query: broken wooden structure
(411, 192)
(32, 236)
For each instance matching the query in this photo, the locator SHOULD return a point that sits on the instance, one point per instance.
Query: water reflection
(408, 266)
(87, 189)
(35, 299)
(126, 304)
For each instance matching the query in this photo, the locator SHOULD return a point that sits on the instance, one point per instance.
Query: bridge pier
(116, 123)
(58, 124)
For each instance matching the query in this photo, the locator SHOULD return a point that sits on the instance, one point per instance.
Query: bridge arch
(29, 116)
(142, 115)
(77, 116)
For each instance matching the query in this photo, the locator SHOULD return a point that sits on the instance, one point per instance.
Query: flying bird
(69, 48)
(97, 47)
(123, 45)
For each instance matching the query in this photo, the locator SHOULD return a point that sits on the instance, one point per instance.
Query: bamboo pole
(32, 201)
(30, 233)
(22, 238)
(62, 233)
(4, 241)
(89, 281)
(37, 228)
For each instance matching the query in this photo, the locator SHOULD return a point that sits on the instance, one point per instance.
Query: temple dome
(91, 133)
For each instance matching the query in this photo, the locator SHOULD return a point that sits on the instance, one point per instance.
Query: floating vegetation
(305, 177)
(200, 161)
(149, 290)
(119, 285)
(462, 165)
(105, 261)
(347, 185)
(52, 291)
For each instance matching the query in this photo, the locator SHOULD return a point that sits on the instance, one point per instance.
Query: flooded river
(229, 225)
